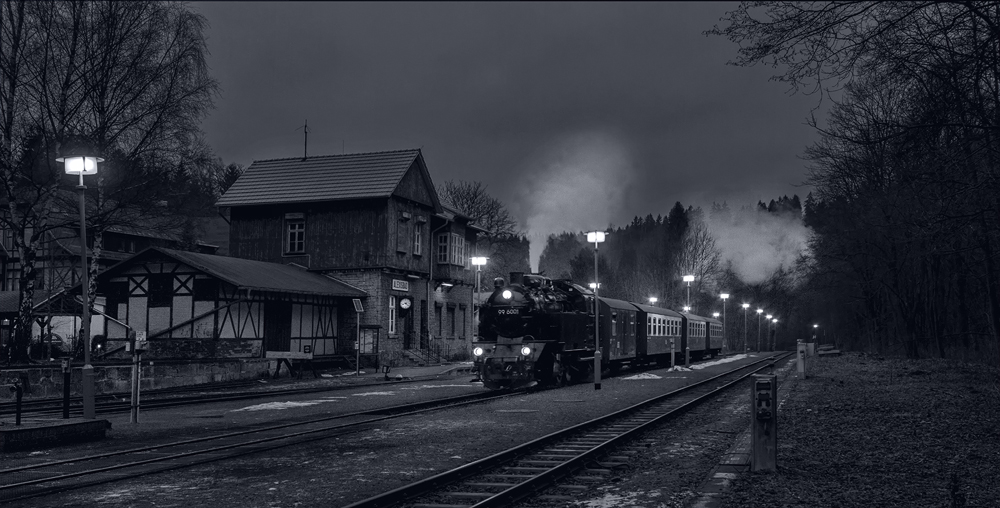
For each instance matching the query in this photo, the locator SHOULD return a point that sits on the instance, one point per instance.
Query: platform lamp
(479, 261)
(689, 279)
(652, 300)
(768, 318)
(80, 161)
(746, 346)
(725, 338)
(815, 332)
(596, 237)
(774, 340)
(759, 312)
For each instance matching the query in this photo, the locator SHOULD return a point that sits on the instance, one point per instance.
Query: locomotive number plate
(508, 312)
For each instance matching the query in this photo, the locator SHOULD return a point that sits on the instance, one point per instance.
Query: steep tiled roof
(324, 178)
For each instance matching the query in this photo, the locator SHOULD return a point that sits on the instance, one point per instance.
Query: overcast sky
(576, 115)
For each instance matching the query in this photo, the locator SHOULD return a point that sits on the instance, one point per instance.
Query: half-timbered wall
(187, 313)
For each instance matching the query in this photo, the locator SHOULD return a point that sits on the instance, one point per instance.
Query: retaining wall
(47, 380)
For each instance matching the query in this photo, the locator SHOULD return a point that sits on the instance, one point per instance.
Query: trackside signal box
(764, 422)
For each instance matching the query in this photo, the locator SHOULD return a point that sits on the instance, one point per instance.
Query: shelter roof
(255, 275)
(324, 178)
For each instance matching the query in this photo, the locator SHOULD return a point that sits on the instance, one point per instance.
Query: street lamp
(687, 309)
(715, 315)
(724, 296)
(652, 300)
(774, 341)
(815, 332)
(77, 162)
(596, 237)
(689, 279)
(759, 312)
(768, 318)
(479, 261)
(746, 346)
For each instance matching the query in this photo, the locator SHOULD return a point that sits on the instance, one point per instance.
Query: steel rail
(406, 410)
(428, 485)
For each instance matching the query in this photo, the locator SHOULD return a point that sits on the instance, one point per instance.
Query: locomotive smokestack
(499, 282)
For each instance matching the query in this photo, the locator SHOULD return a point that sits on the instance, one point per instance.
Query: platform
(34, 434)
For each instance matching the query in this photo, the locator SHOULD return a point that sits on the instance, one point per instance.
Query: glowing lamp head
(724, 296)
(689, 278)
(652, 299)
(479, 260)
(760, 311)
(715, 315)
(506, 294)
(478, 351)
(595, 236)
(815, 326)
(775, 320)
(769, 316)
(525, 351)
(80, 164)
(686, 308)
(746, 306)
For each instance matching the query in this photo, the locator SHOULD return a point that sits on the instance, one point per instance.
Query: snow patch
(678, 368)
(268, 406)
(610, 500)
(421, 387)
(644, 375)
(720, 361)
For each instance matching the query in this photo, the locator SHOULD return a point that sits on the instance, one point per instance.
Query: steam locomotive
(537, 330)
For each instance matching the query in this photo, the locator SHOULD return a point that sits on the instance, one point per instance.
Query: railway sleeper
(488, 485)
(541, 462)
(475, 495)
(527, 469)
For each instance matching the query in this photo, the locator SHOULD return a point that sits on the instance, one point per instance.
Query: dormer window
(295, 233)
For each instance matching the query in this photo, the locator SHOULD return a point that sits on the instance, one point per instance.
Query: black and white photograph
(586, 254)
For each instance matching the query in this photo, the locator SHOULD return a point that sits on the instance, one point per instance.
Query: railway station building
(374, 221)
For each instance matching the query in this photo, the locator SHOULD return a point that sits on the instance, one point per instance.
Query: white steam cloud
(757, 244)
(580, 183)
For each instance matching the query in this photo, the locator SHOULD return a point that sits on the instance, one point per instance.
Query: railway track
(569, 459)
(59, 476)
(118, 403)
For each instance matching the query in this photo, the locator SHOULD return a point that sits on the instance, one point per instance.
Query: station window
(442, 252)
(295, 233)
(614, 323)
(161, 289)
(417, 239)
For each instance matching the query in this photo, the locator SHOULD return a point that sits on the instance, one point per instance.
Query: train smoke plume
(757, 244)
(580, 184)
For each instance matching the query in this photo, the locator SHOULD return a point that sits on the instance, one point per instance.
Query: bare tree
(503, 243)
(130, 77)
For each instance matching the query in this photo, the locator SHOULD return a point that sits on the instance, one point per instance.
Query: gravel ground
(345, 469)
(870, 432)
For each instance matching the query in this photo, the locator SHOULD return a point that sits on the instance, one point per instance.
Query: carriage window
(614, 323)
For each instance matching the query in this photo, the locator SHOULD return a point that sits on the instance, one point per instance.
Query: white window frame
(392, 314)
(442, 248)
(300, 232)
(417, 239)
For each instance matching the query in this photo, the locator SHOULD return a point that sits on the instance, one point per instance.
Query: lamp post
(767, 339)
(479, 261)
(82, 164)
(815, 332)
(774, 340)
(759, 312)
(725, 338)
(596, 237)
(746, 346)
(689, 279)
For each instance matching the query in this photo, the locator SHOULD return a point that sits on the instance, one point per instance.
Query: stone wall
(47, 381)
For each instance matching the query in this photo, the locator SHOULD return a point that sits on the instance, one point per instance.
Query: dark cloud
(520, 96)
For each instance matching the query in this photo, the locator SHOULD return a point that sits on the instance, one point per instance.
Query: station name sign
(400, 285)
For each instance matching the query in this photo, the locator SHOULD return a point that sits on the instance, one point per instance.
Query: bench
(289, 359)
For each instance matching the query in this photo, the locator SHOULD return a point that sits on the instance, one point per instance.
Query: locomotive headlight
(506, 294)
(525, 351)
(478, 351)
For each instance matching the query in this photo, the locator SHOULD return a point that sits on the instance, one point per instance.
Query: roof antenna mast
(305, 147)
